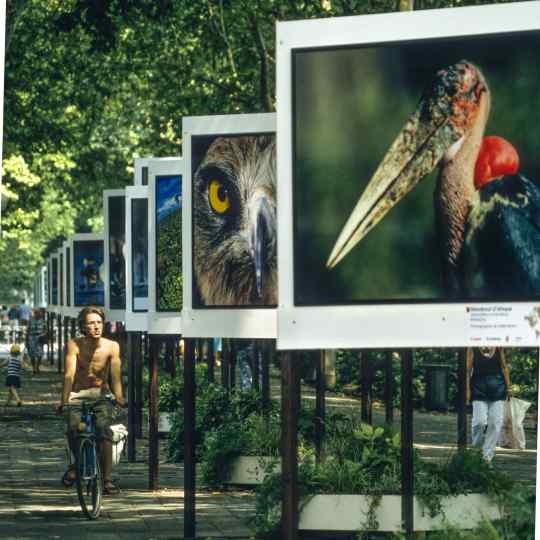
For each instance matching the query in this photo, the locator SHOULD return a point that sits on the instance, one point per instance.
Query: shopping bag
(119, 438)
(512, 433)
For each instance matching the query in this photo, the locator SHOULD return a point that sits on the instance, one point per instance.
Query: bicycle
(88, 473)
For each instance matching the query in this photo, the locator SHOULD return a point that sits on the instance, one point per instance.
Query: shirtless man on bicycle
(89, 360)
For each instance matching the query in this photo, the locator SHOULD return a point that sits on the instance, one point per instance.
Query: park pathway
(33, 504)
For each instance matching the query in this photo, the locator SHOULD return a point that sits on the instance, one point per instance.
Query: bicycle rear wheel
(89, 479)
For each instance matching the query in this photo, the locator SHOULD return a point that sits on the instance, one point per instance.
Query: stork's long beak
(443, 115)
(415, 153)
(262, 228)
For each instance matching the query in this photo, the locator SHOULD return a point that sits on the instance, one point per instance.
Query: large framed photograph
(67, 273)
(409, 189)
(61, 277)
(40, 291)
(114, 213)
(230, 240)
(54, 280)
(137, 259)
(49, 282)
(165, 244)
(68, 309)
(88, 270)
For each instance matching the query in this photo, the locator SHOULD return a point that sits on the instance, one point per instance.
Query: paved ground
(435, 436)
(33, 504)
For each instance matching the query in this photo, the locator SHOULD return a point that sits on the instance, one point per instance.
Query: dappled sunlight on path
(34, 504)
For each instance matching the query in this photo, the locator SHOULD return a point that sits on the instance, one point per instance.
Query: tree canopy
(89, 86)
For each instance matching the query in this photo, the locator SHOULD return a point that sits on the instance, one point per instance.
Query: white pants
(487, 421)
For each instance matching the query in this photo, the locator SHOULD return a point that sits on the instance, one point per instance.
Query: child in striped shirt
(13, 378)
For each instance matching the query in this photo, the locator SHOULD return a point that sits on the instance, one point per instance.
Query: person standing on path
(24, 314)
(89, 361)
(13, 321)
(13, 379)
(35, 338)
(488, 386)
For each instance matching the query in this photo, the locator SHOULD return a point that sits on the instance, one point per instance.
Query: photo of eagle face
(234, 220)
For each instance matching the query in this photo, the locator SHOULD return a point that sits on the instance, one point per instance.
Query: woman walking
(35, 338)
(488, 386)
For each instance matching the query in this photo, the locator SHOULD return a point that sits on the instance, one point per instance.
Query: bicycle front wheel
(89, 479)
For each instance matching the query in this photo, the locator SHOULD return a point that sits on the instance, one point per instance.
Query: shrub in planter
(171, 390)
(365, 460)
(254, 436)
(518, 524)
(214, 407)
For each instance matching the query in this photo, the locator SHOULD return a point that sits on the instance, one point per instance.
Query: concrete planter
(350, 513)
(249, 470)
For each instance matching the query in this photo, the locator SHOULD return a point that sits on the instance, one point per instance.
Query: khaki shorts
(103, 409)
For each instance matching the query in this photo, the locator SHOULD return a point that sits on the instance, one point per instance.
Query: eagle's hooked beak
(261, 230)
(434, 128)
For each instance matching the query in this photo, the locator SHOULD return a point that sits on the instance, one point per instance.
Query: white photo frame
(42, 287)
(379, 325)
(69, 309)
(136, 306)
(237, 322)
(118, 311)
(160, 321)
(140, 177)
(61, 280)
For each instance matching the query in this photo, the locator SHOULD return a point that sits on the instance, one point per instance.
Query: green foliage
(215, 407)
(254, 435)
(518, 506)
(91, 85)
(171, 390)
(169, 262)
(362, 459)
(522, 363)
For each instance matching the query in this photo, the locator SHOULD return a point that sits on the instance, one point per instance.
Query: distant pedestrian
(13, 322)
(244, 356)
(24, 314)
(4, 322)
(13, 379)
(35, 339)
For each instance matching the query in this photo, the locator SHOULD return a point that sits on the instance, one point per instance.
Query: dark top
(484, 365)
(487, 383)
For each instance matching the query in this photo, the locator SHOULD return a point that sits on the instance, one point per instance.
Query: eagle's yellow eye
(219, 197)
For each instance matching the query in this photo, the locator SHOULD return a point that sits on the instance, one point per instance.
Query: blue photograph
(88, 273)
(169, 243)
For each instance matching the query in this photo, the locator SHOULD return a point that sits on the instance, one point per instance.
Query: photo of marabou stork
(487, 213)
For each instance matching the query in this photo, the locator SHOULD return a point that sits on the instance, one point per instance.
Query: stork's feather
(501, 253)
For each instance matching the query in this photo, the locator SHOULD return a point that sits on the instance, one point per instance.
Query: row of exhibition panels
(243, 180)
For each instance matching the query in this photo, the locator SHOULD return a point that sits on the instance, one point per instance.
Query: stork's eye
(219, 198)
